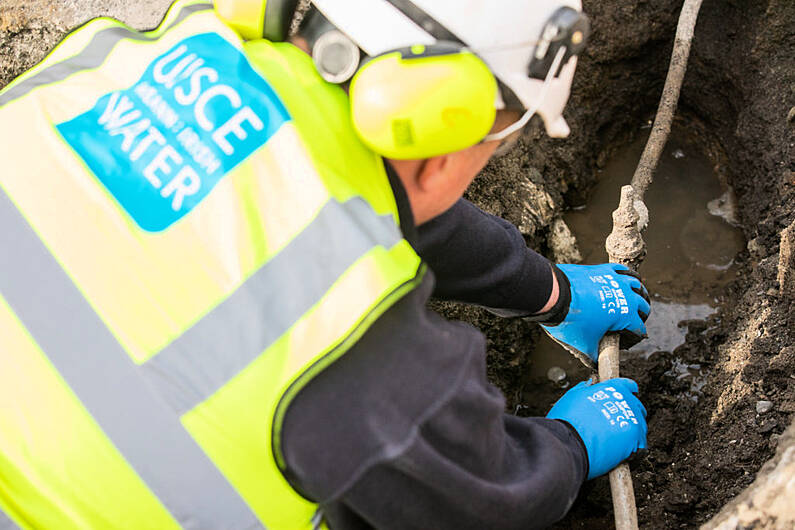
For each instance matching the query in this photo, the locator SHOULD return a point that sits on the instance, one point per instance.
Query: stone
(756, 249)
(538, 207)
(767, 426)
(725, 207)
(556, 374)
(763, 407)
(563, 243)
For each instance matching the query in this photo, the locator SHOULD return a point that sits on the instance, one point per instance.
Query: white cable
(532, 110)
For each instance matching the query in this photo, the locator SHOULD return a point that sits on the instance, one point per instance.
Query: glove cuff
(558, 313)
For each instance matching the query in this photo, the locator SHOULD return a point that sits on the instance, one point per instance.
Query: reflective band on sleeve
(6, 523)
(110, 386)
(190, 370)
(91, 57)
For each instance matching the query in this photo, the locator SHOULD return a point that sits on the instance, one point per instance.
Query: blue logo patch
(163, 144)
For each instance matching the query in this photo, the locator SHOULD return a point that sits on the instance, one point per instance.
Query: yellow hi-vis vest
(189, 232)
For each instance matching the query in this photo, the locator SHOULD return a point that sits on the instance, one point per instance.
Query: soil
(739, 99)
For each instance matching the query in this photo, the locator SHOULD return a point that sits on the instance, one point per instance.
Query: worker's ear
(434, 173)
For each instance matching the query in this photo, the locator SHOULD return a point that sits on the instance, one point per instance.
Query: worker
(217, 249)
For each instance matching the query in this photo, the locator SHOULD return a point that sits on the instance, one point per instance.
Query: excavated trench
(717, 372)
(707, 441)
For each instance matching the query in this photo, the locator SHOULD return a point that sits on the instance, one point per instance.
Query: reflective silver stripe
(190, 370)
(144, 429)
(6, 523)
(92, 56)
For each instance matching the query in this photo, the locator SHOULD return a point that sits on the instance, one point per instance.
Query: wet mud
(738, 109)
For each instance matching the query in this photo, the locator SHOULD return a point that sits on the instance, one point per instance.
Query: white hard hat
(513, 37)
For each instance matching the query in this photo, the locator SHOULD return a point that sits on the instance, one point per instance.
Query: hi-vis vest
(188, 235)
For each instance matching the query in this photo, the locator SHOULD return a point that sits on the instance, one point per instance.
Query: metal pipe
(625, 245)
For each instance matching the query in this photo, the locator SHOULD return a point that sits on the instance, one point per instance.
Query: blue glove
(603, 298)
(610, 420)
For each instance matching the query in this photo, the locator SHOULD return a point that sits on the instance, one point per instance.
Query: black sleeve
(482, 259)
(404, 431)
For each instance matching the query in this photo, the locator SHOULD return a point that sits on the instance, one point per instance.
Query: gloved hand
(602, 298)
(610, 420)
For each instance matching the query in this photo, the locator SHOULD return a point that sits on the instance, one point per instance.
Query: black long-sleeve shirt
(405, 431)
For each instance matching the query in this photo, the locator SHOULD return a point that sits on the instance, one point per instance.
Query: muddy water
(691, 247)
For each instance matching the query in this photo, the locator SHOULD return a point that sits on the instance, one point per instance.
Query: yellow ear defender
(257, 19)
(423, 101)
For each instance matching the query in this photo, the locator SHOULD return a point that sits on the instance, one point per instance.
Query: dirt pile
(739, 99)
